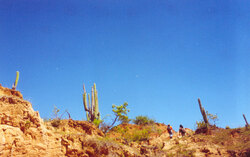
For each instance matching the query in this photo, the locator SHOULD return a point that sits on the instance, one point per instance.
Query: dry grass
(236, 140)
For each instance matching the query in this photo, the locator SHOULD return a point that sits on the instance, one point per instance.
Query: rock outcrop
(22, 131)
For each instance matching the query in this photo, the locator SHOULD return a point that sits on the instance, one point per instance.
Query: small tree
(120, 115)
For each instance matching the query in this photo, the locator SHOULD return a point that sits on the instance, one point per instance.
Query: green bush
(143, 120)
(97, 122)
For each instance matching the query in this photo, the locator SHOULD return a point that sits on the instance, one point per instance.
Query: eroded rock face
(22, 132)
(10, 92)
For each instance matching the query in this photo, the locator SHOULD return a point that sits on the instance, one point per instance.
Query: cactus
(97, 114)
(16, 81)
(203, 112)
(245, 120)
(17, 78)
(91, 106)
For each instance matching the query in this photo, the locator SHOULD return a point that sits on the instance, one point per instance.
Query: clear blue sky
(158, 55)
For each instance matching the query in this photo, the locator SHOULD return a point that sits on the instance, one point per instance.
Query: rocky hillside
(24, 133)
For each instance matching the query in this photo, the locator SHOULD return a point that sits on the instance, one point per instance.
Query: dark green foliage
(143, 120)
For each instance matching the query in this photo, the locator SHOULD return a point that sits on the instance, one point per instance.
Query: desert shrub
(143, 120)
(104, 127)
(227, 127)
(121, 130)
(136, 136)
(97, 122)
(140, 135)
(200, 124)
(212, 118)
(56, 122)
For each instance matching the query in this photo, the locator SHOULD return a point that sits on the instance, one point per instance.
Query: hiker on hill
(182, 131)
(169, 128)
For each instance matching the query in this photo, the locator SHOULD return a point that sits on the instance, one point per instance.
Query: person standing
(169, 128)
(182, 131)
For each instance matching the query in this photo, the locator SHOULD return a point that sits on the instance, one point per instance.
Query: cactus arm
(84, 90)
(85, 101)
(92, 105)
(87, 115)
(92, 100)
(97, 114)
(96, 101)
(89, 105)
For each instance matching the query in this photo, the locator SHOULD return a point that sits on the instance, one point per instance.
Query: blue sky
(159, 56)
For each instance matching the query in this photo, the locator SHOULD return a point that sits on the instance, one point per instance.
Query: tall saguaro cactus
(91, 106)
(245, 120)
(203, 112)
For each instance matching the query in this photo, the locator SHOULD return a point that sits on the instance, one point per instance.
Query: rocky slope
(24, 133)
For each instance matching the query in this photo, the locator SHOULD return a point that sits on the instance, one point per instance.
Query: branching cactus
(91, 106)
(203, 112)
